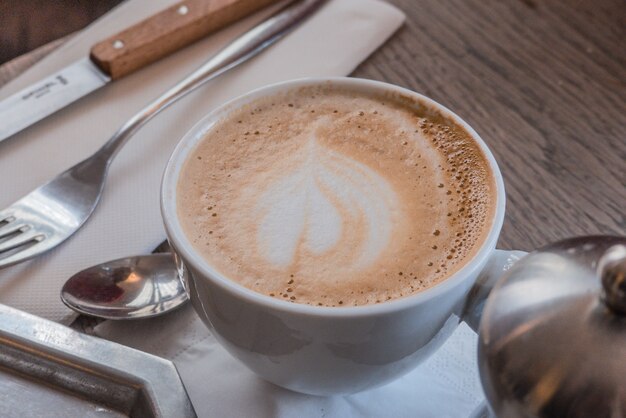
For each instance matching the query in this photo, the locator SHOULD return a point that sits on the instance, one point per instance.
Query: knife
(120, 55)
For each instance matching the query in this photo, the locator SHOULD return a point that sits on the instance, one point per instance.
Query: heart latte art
(324, 197)
(320, 204)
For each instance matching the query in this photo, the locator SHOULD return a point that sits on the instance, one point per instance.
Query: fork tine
(22, 255)
(5, 232)
(6, 218)
(20, 240)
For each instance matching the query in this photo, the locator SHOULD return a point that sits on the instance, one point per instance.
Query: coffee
(329, 197)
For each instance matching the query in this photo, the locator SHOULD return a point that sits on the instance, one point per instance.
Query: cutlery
(51, 213)
(120, 55)
(128, 288)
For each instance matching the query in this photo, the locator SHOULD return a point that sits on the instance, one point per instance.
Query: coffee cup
(334, 348)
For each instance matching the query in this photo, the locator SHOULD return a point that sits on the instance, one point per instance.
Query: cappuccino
(329, 197)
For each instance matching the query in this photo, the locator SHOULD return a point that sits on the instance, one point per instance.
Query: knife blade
(119, 55)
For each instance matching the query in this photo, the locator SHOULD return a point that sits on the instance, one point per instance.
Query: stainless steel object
(51, 213)
(552, 339)
(47, 369)
(128, 288)
(121, 54)
(26, 107)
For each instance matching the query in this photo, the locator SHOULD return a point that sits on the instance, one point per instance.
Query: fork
(50, 214)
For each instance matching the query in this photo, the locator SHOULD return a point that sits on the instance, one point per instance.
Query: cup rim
(183, 246)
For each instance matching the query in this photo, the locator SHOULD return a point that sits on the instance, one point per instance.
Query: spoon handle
(240, 50)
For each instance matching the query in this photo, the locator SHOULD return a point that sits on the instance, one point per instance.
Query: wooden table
(542, 81)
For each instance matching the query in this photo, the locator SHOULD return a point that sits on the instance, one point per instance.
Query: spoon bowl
(127, 288)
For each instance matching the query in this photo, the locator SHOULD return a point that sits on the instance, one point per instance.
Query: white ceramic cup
(327, 350)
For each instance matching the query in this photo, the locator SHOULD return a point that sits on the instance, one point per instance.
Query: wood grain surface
(168, 31)
(542, 81)
(29, 24)
(544, 84)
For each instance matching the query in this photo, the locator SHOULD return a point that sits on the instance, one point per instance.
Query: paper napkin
(128, 222)
(445, 386)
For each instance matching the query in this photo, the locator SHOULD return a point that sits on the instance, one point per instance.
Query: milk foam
(323, 200)
(324, 197)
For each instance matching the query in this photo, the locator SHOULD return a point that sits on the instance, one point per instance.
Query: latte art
(324, 197)
(321, 202)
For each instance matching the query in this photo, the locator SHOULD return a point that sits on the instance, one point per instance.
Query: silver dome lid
(552, 339)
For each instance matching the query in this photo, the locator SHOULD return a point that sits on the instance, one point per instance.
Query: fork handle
(238, 51)
(167, 32)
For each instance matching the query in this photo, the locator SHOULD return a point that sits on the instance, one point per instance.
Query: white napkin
(445, 386)
(127, 221)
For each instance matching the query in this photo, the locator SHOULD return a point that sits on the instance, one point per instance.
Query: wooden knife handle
(166, 32)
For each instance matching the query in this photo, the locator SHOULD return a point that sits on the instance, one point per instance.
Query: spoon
(128, 288)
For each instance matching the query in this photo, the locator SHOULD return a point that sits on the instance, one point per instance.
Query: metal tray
(49, 370)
